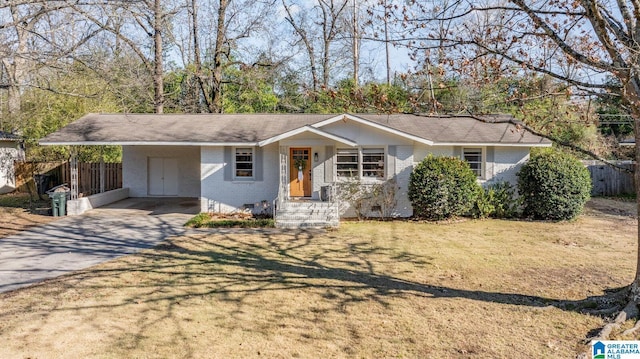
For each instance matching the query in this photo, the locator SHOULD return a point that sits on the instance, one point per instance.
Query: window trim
(357, 163)
(235, 164)
(482, 162)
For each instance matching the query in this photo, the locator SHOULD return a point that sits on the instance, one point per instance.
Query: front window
(347, 162)
(473, 156)
(363, 163)
(373, 162)
(244, 162)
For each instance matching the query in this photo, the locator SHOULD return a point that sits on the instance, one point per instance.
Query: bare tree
(578, 42)
(317, 29)
(36, 37)
(216, 28)
(152, 17)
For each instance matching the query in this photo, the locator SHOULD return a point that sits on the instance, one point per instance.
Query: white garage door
(163, 176)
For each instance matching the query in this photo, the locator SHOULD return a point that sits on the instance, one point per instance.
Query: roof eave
(495, 144)
(143, 143)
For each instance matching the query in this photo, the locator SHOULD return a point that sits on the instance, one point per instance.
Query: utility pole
(355, 43)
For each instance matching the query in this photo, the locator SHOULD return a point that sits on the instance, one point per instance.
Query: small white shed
(11, 150)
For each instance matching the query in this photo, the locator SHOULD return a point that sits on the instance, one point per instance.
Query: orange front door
(300, 172)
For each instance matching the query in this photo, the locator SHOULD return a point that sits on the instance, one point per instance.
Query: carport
(154, 163)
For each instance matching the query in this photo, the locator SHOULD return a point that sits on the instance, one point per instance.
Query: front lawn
(485, 289)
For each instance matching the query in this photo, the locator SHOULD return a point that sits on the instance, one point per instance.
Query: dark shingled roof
(459, 129)
(252, 128)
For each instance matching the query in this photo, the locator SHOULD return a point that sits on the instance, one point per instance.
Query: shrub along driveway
(73, 243)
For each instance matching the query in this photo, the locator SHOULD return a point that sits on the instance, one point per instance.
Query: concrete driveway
(74, 243)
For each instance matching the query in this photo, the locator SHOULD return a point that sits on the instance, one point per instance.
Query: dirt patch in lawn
(626, 208)
(18, 212)
(491, 289)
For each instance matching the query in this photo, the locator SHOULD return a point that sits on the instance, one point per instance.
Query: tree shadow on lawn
(229, 266)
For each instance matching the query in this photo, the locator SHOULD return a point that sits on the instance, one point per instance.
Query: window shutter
(328, 164)
(391, 161)
(457, 151)
(257, 162)
(228, 164)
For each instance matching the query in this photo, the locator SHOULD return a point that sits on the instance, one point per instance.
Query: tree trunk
(16, 70)
(158, 84)
(632, 95)
(356, 45)
(216, 87)
(325, 62)
(197, 57)
(635, 286)
(386, 43)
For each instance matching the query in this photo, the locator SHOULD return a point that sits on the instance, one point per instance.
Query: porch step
(307, 214)
(283, 223)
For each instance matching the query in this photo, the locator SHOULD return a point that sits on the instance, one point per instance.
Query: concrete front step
(307, 205)
(307, 215)
(283, 223)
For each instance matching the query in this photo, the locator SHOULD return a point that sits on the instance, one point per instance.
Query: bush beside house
(553, 185)
(442, 187)
(498, 200)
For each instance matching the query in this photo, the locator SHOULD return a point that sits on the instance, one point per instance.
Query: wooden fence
(60, 173)
(610, 181)
(26, 170)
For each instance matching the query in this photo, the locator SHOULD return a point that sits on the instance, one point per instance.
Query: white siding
(364, 135)
(135, 168)
(218, 195)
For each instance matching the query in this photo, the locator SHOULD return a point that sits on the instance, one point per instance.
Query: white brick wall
(201, 173)
(135, 168)
(404, 166)
(507, 162)
(422, 151)
(317, 178)
(218, 195)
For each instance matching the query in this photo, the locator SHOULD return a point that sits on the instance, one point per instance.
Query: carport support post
(101, 169)
(73, 161)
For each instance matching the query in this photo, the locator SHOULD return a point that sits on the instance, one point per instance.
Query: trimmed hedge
(203, 220)
(553, 185)
(442, 187)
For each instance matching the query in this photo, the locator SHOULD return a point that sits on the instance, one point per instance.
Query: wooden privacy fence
(610, 181)
(60, 173)
(89, 176)
(26, 170)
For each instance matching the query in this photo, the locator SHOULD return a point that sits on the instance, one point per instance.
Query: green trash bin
(59, 203)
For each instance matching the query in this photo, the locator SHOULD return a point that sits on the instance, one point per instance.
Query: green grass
(203, 220)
